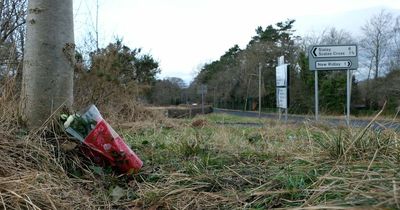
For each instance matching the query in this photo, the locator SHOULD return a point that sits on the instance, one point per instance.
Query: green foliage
(332, 92)
(228, 59)
(168, 91)
(114, 73)
(146, 69)
(281, 33)
(123, 64)
(216, 167)
(233, 78)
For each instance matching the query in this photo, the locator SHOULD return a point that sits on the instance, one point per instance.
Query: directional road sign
(334, 51)
(333, 57)
(202, 89)
(333, 64)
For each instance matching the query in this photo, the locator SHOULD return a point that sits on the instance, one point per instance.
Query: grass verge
(199, 164)
(276, 166)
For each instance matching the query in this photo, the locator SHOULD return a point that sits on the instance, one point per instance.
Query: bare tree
(377, 33)
(12, 16)
(336, 37)
(12, 32)
(395, 62)
(329, 36)
(49, 59)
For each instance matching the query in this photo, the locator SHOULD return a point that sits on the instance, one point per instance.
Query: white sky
(184, 34)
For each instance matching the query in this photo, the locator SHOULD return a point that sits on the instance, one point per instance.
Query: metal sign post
(259, 90)
(202, 103)
(286, 114)
(202, 90)
(349, 78)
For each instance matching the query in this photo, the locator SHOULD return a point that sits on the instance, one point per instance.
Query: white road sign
(333, 57)
(281, 97)
(281, 75)
(334, 51)
(333, 64)
(202, 89)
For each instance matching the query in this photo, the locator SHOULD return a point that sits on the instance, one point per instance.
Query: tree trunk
(49, 59)
(377, 60)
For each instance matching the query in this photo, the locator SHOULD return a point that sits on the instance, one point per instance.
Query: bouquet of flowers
(100, 142)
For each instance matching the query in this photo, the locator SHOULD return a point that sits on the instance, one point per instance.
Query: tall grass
(276, 166)
(199, 164)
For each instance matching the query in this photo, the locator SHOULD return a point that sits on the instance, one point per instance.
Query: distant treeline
(119, 73)
(232, 80)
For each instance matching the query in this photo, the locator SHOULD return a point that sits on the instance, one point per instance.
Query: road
(378, 125)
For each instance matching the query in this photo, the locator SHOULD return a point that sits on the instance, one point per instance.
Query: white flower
(64, 116)
(69, 121)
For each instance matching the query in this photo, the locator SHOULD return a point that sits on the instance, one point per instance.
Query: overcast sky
(184, 34)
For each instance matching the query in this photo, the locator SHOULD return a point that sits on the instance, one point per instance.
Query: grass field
(198, 164)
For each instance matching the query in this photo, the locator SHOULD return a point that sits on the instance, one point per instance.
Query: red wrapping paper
(105, 146)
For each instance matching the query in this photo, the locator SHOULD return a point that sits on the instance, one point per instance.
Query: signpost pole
(316, 95)
(281, 61)
(348, 97)
(279, 113)
(259, 90)
(286, 114)
(202, 90)
(202, 102)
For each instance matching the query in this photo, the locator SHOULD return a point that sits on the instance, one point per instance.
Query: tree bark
(47, 81)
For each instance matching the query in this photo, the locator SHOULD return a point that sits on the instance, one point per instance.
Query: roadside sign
(333, 64)
(281, 75)
(333, 57)
(282, 85)
(334, 51)
(281, 96)
(202, 89)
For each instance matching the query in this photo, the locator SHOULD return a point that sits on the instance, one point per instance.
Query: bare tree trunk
(247, 94)
(377, 60)
(367, 96)
(48, 62)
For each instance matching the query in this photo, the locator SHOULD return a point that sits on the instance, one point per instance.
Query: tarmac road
(378, 125)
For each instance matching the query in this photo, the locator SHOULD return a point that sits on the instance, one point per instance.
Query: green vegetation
(276, 166)
(201, 163)
(226, 118)
(232, 79)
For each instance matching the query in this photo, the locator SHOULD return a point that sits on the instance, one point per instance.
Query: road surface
(379, 124)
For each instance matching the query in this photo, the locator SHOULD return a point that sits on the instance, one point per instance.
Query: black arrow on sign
(313, 52)
(348, 63)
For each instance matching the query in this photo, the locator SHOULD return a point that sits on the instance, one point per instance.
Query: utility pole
(202, 102)
(214, 98)
(97, 24)
(259, 90)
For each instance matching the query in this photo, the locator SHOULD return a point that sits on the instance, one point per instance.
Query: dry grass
(31, 176)
(198, 164)
(44, 169)
(277, 166)
(32, 179)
